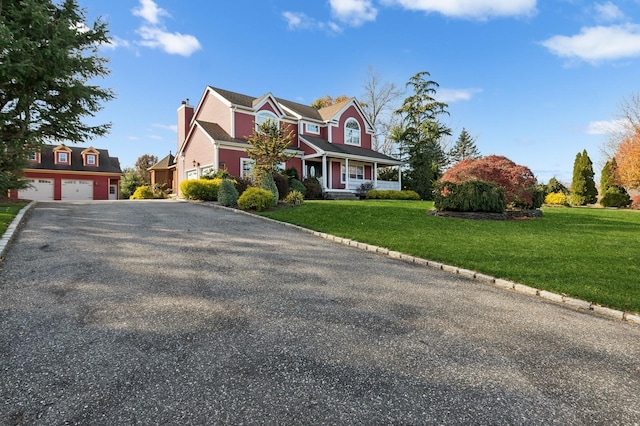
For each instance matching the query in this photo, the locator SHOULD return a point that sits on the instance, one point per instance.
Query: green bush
(255, 199)
(201, 189)
(296, 185)
(242, 183)
(227, 194)
(616, 196)
(269, 184)
(390, 194)
(292, 173)
(313, 189)
(142, 193)
(470, 196)
(557, 199)
(282, 183)
(294, 197)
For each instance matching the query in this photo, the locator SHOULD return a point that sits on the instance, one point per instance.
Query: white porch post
(324, 172)
(400, 177)
(346, 174)
(375, 174)
(304, 169)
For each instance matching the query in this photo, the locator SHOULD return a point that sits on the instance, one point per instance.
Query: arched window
(352, 132)
(263, 116)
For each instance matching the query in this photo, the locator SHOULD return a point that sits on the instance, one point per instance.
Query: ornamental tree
(269, 144)
(628, 161)
(583, 187)
(518, 182)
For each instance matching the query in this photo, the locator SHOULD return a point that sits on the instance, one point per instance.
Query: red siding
(245, 123)
(100, 182)
(338, 132)
(335, 175)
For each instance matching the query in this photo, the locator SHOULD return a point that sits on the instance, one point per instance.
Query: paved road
(176, 313)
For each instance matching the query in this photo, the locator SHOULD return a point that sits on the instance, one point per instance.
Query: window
(355, 172)
(63, 157)
(352, 132)
(91, 160)
(263, 116)
(32, 156)
(313, 128)
(246, 167)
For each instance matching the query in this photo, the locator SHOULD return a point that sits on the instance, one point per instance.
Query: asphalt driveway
(177, 313)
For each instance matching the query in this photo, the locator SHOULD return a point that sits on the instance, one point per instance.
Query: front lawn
(7, 213)
(591, 254)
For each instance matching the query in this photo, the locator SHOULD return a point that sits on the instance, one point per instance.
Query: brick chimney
(185, 116)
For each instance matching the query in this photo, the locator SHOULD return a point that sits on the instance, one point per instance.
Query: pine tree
(464, 148)
(583, 187)
(607, 175)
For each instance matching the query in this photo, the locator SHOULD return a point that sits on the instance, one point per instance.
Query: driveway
(160, 312)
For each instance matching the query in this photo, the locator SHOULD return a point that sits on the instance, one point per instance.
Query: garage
(40, 190)
(73, 189)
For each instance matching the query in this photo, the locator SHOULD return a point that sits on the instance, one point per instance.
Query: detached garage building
(71, 173)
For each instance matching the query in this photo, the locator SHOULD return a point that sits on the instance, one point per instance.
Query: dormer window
(63, 157)
(91, 160)
(90, 157)
(352, 132)
(33, 157)
(263, 116)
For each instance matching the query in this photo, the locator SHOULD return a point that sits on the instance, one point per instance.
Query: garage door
(40, 190)
(77, 189)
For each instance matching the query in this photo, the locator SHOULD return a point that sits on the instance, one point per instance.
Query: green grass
(7, 213)
(591, 254)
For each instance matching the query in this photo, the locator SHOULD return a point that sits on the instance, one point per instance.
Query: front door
(113, 192)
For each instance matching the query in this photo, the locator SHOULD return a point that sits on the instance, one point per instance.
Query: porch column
(346, 174)
(304, 169)
(400, 177)
(324, 172)
(375, 174)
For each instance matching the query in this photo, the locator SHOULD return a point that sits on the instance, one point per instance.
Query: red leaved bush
(518, 182)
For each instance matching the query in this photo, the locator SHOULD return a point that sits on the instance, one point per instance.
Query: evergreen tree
(583, 187)
(47, 57)
(464, 148)
(607, 176)
(420, 135)
(555, 185)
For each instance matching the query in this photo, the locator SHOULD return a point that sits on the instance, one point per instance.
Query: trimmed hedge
(390, 194)
(201, 189)
(255, 199)
(471, 196)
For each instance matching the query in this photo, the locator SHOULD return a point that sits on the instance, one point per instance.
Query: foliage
(220, 174)
(129, 182)
(616, 196)
(292, 173)
(470, 196)
(143, 192)
(294, 197)
(313, 189)
(328, 101)
(142, 167)
(227, 194)
(554, 185)
(201, 189)
(390, 194)
(255, 199)
(269, 184)
(365, 187)
(268, 147)
(635, 202)
(464, 148)
(242, 183)
(628, 160)
(583, 187)
(556, 199)
(296, 185)
(159, 191)
(47, 57)
(518, 182)
(388, 174)
(282, 184)
(420, 135)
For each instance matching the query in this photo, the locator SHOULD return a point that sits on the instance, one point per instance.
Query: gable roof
(329, 112)
(166, 163)
(349, 150)
(106, 163)
(215, 132)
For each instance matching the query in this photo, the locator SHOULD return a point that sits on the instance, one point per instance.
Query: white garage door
(40, 190)
(77, 189)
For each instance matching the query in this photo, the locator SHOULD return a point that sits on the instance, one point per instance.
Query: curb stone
(12, 230)
(560, 299)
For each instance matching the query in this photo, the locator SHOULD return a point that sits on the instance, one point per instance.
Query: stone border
(12, 230)
(561, 299)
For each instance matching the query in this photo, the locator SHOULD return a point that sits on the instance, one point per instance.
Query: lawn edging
(560, 299)
(11, 231)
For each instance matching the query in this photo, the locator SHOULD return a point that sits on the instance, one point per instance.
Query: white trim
(352, 131)
(313, 132)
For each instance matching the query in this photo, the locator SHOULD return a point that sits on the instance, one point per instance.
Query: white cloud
(300, 21)
(455, 95)
(353, 12)
(597, 44)
(115, 42)
(608, 12)
(170, 127)
(470, 9)
(172, 43)
(150, 12)
(605, 127)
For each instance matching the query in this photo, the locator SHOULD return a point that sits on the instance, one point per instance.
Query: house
(332, 144)
(163, 173)
(61, 172)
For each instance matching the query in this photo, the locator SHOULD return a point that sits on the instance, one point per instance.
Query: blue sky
(536, 81)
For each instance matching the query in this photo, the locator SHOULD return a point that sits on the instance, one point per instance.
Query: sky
(536, 81)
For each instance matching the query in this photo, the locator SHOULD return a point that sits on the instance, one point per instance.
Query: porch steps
(329, 195)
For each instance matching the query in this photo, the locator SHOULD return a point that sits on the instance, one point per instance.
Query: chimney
(185, 116)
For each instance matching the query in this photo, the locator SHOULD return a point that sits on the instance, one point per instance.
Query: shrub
(296, 185)
(142, 193)
(616, 196)
(227, 194)
(389, 194)
(471, 196)
(635, 202)
(159, 191)
(365, 187)
(220, 174)
(282, 183)
(313, 189)
(294, 197)
(242, 183)
(557, 199)
(255, 199)
(201, 189)
(269, 184)
(292, 173)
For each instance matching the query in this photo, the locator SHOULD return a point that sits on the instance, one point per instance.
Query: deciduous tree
(268, 147)
(142, 165)
(48, 57)
(583, 187)
(628, 162)
(328, 101)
